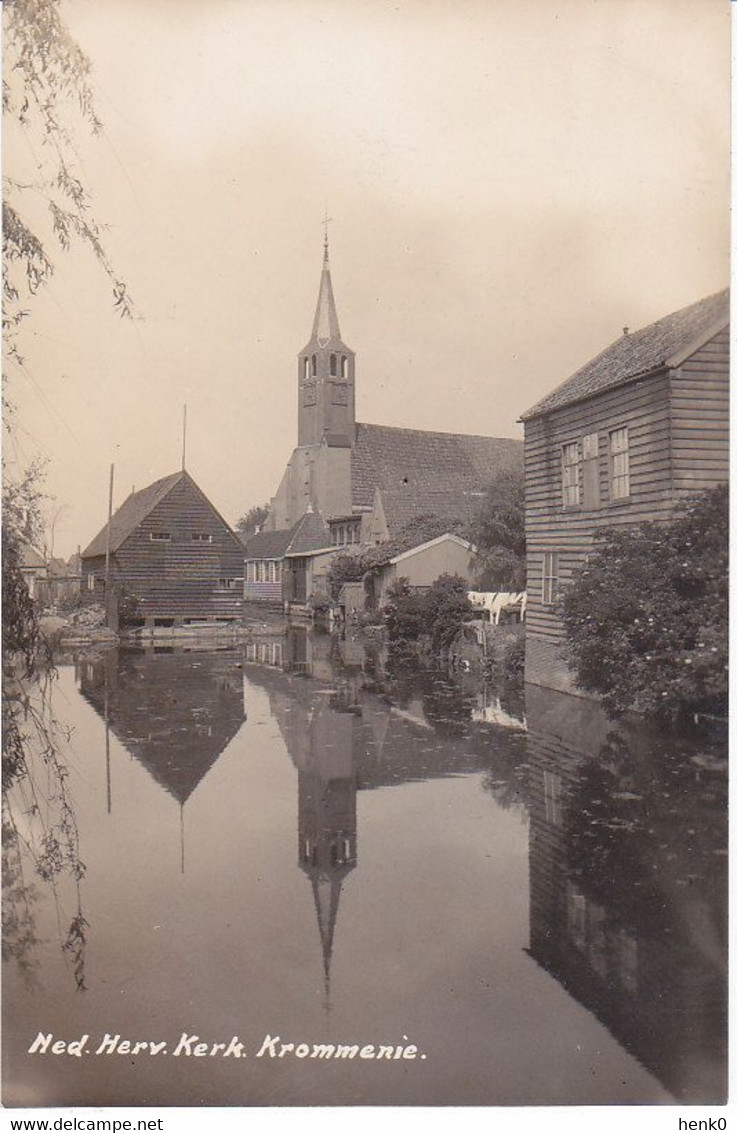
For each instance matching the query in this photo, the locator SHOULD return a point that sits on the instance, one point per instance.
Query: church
(367, 482)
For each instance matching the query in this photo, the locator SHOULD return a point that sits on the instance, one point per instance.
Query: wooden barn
(173, 553)
(636, 430)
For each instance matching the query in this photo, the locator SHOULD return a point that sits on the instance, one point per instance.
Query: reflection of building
(628, 887)
(175, 712)
(343, 740)
(642, 426)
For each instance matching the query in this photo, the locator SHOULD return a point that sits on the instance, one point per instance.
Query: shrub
(646, 617)
(438, 611)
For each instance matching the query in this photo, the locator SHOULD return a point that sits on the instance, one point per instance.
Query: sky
(510, 183)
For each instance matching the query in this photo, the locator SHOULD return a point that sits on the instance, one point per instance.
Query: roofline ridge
(433, 432)
(664, 363)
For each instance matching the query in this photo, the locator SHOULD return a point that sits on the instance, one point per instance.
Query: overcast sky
(510, 182)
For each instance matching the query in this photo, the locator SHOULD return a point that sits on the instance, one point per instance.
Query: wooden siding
(179, 578)
(700, 418)
(678, 444)
(263, 591)
(644, 408)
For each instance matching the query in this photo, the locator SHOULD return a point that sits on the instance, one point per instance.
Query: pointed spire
(326, 892)
(325, 327)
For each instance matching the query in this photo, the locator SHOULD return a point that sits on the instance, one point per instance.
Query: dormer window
(333, 366)
(160, 537)
(200, 537)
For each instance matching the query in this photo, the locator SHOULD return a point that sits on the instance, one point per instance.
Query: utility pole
(184, 438)
(107, 546)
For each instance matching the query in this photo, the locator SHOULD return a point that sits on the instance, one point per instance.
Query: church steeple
(325, 328)
(327, 413)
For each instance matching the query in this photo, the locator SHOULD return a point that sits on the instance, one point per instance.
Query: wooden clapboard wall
(183, 577)
(677, 423)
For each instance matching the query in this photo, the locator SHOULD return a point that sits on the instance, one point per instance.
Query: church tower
(327, 402)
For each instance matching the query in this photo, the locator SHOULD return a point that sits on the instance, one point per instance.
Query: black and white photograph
(365, 541)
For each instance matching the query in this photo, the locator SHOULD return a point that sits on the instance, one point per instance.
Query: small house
(32, 567)
(283, 567)
(635, 431)
(421, 565)
(173, 557)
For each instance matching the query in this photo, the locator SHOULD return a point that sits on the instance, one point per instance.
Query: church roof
(455, 507)
(661, 344)
(425, 466)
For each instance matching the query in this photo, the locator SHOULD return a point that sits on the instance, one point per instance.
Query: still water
(306, 840)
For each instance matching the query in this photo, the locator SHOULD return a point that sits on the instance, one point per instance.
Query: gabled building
(635, 431)
(279, 563)
(172, 552)
(339, 464)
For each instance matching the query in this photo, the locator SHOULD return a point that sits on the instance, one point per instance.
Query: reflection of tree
(39, 822)
(19, 897)
(633, 839)
(628, 885)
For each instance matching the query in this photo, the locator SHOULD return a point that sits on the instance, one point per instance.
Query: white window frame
(550, 577)
(570, 460)
(619, 464)
(160, 537)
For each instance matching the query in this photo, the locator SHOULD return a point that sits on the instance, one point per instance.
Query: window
(198, 537)
(333, 366)
(550, 577)
(314, 364)
(272, 572)
(571, 485)
(305, 368)
(619, 463)
(343, 366)
(90, 582)
(552, 790)
(160, 537)
(227, 584)
(591, 496)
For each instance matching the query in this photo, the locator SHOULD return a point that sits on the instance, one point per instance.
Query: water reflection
(384, 844)
(174, 711)
(628, 885)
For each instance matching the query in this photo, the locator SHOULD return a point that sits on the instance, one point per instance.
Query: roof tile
(639, 353)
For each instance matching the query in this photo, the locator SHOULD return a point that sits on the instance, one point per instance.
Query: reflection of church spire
(327, 850)
(326, 893)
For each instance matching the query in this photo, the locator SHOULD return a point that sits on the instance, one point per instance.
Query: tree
(46, 83)
(46, 92)
(499, 532)
(253, 520)
(646, 617)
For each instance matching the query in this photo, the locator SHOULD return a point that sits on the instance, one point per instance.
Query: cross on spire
(326, 220)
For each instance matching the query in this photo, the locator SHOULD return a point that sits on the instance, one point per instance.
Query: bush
(646, 617)
(438, 611)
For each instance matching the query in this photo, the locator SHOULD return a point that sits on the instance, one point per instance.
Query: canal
(306, 840)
